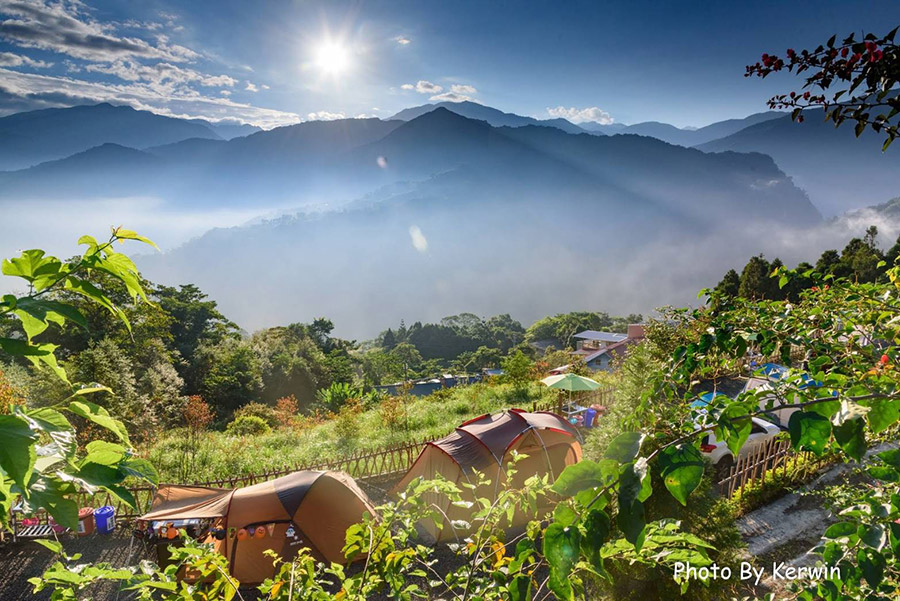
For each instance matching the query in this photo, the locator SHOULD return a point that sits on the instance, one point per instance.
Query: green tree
(518, 369)
(233, 378)
(755, 278)
(730, 284)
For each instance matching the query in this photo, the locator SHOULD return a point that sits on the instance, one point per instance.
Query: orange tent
(304, 509)
(485, 444)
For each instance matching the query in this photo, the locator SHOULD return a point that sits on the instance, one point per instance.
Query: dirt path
(787, 529)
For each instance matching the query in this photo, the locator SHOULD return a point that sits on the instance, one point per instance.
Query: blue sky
(277, 62)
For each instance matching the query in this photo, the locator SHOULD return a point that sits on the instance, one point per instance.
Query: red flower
(885, 359)
(806, 95)
(845, 52)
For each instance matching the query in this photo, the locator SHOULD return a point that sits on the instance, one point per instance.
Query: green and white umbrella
(570, 382)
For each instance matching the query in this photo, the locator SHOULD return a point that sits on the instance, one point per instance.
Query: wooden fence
(763, 462)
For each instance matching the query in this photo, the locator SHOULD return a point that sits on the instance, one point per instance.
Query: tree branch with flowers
(851, 80)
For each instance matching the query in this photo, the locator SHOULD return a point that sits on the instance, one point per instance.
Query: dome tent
(303, 509)
(485, 444)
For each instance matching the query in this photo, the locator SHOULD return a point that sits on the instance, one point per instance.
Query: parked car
(763, 379)
(718, 453)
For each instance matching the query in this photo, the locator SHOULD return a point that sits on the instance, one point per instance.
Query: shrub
(260, 410)
(286, 411)
(248, 425)
(347, 422)
(392, 411)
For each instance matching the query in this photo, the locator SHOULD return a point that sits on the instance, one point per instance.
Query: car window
(757, 429)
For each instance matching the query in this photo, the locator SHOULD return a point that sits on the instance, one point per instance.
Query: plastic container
(589, 416)
(56, 527)
(85, 521)
(105, 517)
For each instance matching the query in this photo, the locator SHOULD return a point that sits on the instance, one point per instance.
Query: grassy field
(219, 455)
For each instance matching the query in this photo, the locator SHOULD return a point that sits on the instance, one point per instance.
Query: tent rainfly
(304, 509)
(485, 444)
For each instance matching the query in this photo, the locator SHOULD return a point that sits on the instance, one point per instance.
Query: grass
(220, 455)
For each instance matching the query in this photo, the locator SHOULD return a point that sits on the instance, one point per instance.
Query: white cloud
(451, 97)
(463, 89)
(325, 116)
(64, 28)
(27, 91)
(402, 40)
(8, 59)
(225, 93)
(423, 87)
(251, 87)
(419, 241)
(576, 115)
(265, 87)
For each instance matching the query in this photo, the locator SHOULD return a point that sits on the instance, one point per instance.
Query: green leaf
(584, 475)
(99, 416)
(734, 428)
(883, 414)
(140, 468)
(124, 234)
(560, 586)
(850, 435)
(520, 588)
(104, 453)
(17, 449)
(561, 546)
(596, 532)
(872, 565)
(97, 474)
(682, 470)
(625, 447)
(874, 536)
(883, 473)
(809, 431)
(55, 425)
(891, 457)
(36, 353)
(53, 545)
(632, 523)
(34, 267)
(840, 529)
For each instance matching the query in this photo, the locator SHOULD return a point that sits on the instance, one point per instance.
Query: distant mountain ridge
(493, 116)
(840, 171)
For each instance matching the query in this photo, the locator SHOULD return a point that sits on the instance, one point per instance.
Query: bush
(260, 410)
(286, 411)
(248, 425)
(347, 422)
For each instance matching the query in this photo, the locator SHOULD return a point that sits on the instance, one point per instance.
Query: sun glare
(332, 58)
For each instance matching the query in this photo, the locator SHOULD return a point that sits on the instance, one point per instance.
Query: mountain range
(401, 216)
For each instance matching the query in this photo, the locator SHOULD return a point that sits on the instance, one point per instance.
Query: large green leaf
(852, 438)
(883, 414)
(99, 416)
(54, 424)
(625, 447)
(585, 474)
(36, 353)
(872, 564)
(682, 470)
(809, 431)
(131, 235)
(140, 468)
(17, 450)
(632, 523)
(840, 529)
(734, 428)
(596, 532)
(561, 545)
(97, 474)
(520, 588)
(104, 453)
(891, 457)
(33, 266)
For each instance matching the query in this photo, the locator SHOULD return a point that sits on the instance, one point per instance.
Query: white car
(718, 453)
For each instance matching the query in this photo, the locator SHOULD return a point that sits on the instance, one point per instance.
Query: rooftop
(601, 336)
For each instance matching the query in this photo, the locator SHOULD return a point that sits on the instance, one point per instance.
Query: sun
(332, 58)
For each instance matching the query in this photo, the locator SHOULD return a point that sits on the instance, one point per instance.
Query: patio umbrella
(570, 382)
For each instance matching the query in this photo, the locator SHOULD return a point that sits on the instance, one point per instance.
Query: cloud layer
(576, 115)
(130, 62)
